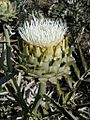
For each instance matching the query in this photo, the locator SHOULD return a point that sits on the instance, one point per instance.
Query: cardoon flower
(45, 45)
(43, 32)
(46, 54)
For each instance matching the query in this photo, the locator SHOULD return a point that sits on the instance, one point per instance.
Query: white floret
(43, 32)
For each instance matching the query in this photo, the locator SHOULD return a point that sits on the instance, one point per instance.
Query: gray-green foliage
(7, 10)
(69, 99)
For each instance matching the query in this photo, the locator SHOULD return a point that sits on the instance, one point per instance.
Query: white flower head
(43, 32)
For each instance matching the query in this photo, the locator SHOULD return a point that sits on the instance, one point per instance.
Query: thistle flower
(45, 48)
(46, 53)
(43, 32)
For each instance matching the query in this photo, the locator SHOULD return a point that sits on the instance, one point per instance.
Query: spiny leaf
(76, 69)
(8, 48)
(62, 109)
(83, 59)
(41, 92)
(7, 78)
(69, 80)
(67, 97)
